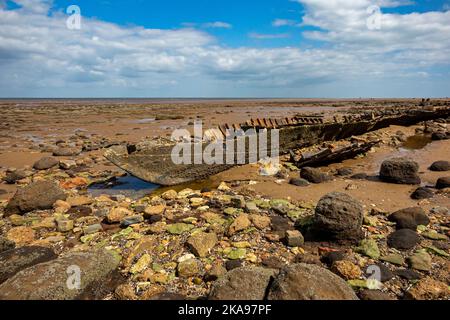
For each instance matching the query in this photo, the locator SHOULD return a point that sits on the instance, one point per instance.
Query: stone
(344, 171)
(217, 270)
(242, 222)
(259, 221)
(67, 164)
(378, 272)
(369, 248)
(443, 183)
(309, 282)
(400, 171)
(294, 238)
(189, 268)
(154, 210)
(236, 254)
(331, 257)
(142, 264)
(45, 163)
(245, 283)
(15, 260)
(77, 182)
(223, 187)
(93, 228)
(420, 260)
(346, 269)
(299, 182)
(251, 207)
(428, 289)
(66, 152)
(169, 195)
(440, 135)
(125, 292)
(408, 274)
(410, 218)
(64, 225)
(314, 175)
(131, 220)
(359, 176)
(440, 166)
(233, 264)
(21, 235)
(116, 215)
(422, 193)
(79, 201)
(374, 295)
(338, 216)
(394, 258)
(16, 175)
(6, 244)
(201, 243)
(179, 228)
(57, 279)
(40, 195)
(433, 235)
(403, 239)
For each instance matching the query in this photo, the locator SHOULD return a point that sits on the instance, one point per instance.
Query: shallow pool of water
(128, 186)
(416, 142)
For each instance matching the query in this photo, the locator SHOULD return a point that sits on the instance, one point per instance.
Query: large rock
(410, 218)
(39, 195)
(403, 239)
(440, 166)
(338, 216)
(422, 193)
(57, 279)
(66, 152)
(16, 175)
(400, 171)
(45, 163)
(201, 243)
(245, 283)
(15, 260)
(428, 289)
(443, 183)
(314, 175)
(309, 282)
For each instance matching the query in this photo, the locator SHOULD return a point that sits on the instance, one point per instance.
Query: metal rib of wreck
(151, 160)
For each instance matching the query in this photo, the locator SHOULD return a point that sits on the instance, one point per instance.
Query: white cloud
(217, 24)
(39, 56)
(283, 22)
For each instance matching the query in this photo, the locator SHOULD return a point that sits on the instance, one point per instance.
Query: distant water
(128, 186)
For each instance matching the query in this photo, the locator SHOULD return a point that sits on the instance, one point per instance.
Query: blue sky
(209, 48)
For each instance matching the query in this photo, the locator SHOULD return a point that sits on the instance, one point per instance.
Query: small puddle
(128, 186)
(416, 142)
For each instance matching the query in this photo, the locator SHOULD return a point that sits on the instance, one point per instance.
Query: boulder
(410, 218)
(403, 239)
(40, 195)
(314, 175)
(45, 163)
(440, 166)
(58, 279)
(400, 171)
(422, 193)
(428, 289)
(13, 261)
(299, 182)
(16, 175)
(443, 183)
(309, 282)
(201, 243)
(245, 283)
(338, 216)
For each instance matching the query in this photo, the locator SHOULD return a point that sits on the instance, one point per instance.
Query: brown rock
(21, 235)
(259, 221)
(346, 269)
(201, 243)
(428, 289)
(242, 222)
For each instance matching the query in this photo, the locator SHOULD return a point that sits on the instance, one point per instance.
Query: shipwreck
(151, 160)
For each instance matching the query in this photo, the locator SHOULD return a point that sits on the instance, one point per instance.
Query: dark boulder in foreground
(309, 282)
(45, 163)
(58, 279)
(403, 239)
(40, 195)
(400, 171)
(422, 193)
(338, 216)
(15, 260)
(410, 218)
(440, 166)
(245, 283)
(314, 175)
(443, 183)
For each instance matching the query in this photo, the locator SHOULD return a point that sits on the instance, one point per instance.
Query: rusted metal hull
(151, 161)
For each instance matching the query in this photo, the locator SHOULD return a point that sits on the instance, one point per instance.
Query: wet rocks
(403, 239)
(131, 220)
(116, 215)
(443, 183)
(314, 175)
(338, 216)
(440, 166)
(400, 171)
(58, 279)
(201, 243)
(422, 193)
(16, 175)
(45, 163)
(13, 261)
(409, 218)
(309, 282)
(299, 182)
(245, 283)
(40, 195)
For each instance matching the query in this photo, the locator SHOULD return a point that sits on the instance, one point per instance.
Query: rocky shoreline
(226, 241)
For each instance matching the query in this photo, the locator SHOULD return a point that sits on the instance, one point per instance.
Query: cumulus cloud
(283, 22)
(40, 56)
(218, 24)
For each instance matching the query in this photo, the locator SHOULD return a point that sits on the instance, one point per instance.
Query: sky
(233, 48)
